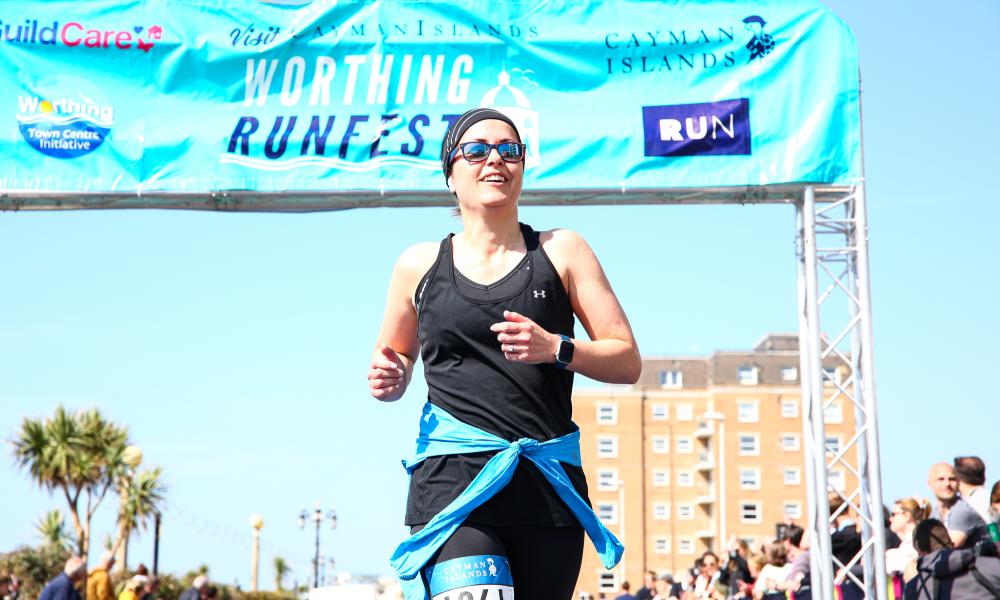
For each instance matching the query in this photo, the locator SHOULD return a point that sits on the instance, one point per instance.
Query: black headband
(459, 127)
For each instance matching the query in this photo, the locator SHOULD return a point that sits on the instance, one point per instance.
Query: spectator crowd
(938, 549)
(97, 584)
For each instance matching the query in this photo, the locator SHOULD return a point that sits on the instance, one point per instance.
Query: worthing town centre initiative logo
(64, 117)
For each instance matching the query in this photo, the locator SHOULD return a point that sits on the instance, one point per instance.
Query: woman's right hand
(387, 375)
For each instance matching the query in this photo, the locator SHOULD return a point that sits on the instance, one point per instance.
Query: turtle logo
(761, 44)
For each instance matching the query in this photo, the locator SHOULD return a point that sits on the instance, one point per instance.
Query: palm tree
(52, 528)
(141, 498)
(281, 570)
(79, 454)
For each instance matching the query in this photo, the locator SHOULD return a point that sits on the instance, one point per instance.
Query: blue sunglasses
(474, 152)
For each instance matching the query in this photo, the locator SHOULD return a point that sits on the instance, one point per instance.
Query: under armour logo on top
(538, 293)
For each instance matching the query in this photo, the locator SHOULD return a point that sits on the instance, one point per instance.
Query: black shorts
(483, 562)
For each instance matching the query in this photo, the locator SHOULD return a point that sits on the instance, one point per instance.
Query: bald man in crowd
(63, 587)
(965, 526)
(198, 587)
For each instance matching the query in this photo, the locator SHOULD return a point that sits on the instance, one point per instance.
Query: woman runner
(491, 312)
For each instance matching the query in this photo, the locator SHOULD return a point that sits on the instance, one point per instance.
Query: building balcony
(706, 462)
(705, 430)
(707, 498)
(706, 534)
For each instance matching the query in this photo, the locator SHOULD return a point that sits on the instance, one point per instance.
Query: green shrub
(34, 567)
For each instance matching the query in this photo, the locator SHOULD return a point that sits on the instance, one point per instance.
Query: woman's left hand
(522, 340)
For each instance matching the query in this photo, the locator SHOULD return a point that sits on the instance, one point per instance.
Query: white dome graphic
(520, 112)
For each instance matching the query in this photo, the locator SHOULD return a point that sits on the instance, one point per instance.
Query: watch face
(565, 352)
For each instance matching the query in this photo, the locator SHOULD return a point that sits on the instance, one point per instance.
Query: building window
(607, 512)
(660, 412)
(835, 479)
(661, 477)
(792, 476)
(685, 545)
(792, 510)
(749, 479)
(661, 511)
(661, 444)
(607, 480)
(661, 545)
(833, 413)
(685, 479)
(685, 445)
(749, 444)
(831, 376)
(747, 411)
(789, 374)
(833, 444)
(685, 512)
(790, 442)
(747, 375)
(607, 414)
(685, 412)
(608, 581)
(789, 408)
(671, 379)
(750, 512)
(607, 446)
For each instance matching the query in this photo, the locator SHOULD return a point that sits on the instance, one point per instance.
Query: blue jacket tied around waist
(442, 434)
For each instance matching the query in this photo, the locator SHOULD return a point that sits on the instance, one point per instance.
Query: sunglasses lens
(475, 151)
(510, 151)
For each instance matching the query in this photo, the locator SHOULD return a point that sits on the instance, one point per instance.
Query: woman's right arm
(397, 347)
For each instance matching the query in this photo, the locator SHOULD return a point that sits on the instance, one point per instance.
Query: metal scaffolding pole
(832, 247)
(811, 379)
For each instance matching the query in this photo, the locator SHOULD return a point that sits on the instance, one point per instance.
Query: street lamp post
(257, 522)
(317, 517)
(156, 545)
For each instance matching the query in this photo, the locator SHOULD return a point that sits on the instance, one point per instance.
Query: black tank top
(468, 376)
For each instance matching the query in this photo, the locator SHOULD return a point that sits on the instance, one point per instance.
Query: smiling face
(710, 566)
(492, 182)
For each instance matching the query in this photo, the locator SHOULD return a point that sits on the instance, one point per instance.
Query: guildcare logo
(74, 34)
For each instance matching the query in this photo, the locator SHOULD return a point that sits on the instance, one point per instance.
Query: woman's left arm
(611, 354)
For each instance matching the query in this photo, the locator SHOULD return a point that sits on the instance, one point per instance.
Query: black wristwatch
(565, 354)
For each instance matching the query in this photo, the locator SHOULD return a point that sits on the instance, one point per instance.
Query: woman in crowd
(771, 579)
(737, 570)
(906, 514)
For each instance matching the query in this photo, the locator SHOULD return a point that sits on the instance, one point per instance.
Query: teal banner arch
(173, 99)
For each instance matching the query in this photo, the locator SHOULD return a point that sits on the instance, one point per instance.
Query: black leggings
(544, 563)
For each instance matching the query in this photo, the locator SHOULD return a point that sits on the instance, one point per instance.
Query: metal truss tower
(833, 285)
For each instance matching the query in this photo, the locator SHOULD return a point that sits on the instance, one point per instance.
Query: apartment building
(700, 450)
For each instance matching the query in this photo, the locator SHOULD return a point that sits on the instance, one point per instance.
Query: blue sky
(234, 346)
